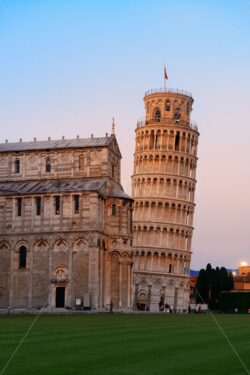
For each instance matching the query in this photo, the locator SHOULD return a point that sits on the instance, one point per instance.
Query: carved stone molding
(60, 245)
(60, 276)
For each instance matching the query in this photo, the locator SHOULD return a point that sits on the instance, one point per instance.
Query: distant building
(163, 188)
(65, 225)
(242, 279)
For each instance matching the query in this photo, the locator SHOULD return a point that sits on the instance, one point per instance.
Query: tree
(201, 287)
(217, 286)
(210, 283)
(212, 299)
(230, 281)
(223, 279)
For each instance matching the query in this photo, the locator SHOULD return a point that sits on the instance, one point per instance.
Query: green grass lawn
(125, 344)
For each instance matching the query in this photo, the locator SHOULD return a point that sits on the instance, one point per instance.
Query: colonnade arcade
(158, 212)
(163, 187)
(162, 236)
(165, 163)
(166, 139)
(154, 292)
(162, 262)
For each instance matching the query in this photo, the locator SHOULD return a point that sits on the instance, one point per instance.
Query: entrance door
(60, 296)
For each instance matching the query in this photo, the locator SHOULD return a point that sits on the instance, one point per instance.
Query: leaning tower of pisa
(163, 187)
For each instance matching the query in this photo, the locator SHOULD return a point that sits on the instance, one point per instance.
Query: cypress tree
(223, 279)
(208, 282)
(230, 281)
(212, 302)
(201, 286)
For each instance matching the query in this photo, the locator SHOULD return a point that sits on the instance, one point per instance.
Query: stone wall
(67, 228)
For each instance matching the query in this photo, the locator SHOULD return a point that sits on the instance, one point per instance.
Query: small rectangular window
(19, 206)
(76, 204)
(113, 209)
(81, 162)
(17, 166)
(57, 204)
(38, 206)
(47, 164)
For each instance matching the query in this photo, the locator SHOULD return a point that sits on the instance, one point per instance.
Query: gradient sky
(68, 67)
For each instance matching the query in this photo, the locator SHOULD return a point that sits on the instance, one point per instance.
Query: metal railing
(170, 90)
(142, 122)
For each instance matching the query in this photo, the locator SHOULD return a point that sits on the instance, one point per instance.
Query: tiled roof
(56, 144)
(60, 186)
(50, 186)
(118, 193)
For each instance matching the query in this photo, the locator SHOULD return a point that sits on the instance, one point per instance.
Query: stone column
(12, 258)
(163, 294)
(129, 285)
(120, 284)
(51, 300)
(158, 262)
(93, 274)
(101, 277)
(175, 299)
(135, 296)
(149, 297)
(30, 254)
(151, 261)
(69, 299)
(107, 290)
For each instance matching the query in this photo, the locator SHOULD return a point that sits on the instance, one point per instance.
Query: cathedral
(65, 226)
(72, 239)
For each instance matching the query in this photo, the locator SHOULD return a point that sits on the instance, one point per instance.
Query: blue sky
(68, 67)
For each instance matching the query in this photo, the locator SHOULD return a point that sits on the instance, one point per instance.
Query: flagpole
(164, 79)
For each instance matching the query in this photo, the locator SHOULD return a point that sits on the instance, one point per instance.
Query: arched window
(47, 164)
(177, 115)
(167, 105)
(113, 209)
(177, 141)
(17, 166)
(19, 206)
(76, 200)
(157, 115)
(57, 204)
(38, 201)
(22, 257)
(81, 162)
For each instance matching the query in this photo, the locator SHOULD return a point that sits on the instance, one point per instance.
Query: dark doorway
(60, 296)
(141, 306)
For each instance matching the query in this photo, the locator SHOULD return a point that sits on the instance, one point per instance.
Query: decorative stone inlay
(61, 245)
(60, 275)
(80, 245)
(42, 246)
(9, 202)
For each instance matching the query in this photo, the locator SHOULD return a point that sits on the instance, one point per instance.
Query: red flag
(165, 73)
